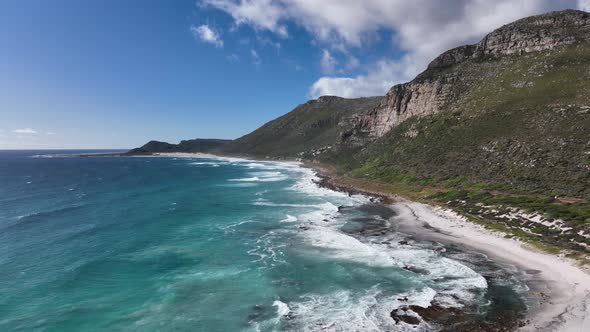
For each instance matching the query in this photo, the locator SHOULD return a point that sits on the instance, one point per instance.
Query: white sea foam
(240, 184)
(341, 246)
(324, 212)
(265, 202)
(448, 282)
(266, 174)
(308, 184)
(261, 178)
(346, 311)
(268, 250)
(282, 308)
(455, 283)
(206, 163)
(231, 227)
(252, 179)
(289, 218)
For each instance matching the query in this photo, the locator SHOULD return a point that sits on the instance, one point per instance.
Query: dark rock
(402, 316)
(415, 269)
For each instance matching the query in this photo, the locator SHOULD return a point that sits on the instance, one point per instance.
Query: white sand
(567, 305)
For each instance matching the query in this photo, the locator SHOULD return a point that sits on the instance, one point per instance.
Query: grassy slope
(521, 127)
(313, 125)
(515, 134)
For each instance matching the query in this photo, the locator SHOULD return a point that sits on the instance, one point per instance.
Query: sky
(116, 74)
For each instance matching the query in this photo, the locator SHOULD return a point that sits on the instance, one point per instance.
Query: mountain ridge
(436, 87)
(187, 146)
(509, 111)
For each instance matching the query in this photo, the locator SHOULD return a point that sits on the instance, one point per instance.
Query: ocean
(218, 244)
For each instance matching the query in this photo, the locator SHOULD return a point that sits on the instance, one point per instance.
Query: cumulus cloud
(379, 78)
(207, 35)
(261, 14)
(25, 131)
(420, 29)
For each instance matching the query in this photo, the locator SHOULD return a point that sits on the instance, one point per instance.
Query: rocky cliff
(451, 75)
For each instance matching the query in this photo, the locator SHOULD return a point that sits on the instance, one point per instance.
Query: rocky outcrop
(404, 101)
(435, 89)
(537, 33)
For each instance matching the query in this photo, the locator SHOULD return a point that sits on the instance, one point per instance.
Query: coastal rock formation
(436, 89)
(187, 146)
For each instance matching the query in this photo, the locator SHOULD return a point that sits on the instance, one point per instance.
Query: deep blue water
(197, 244)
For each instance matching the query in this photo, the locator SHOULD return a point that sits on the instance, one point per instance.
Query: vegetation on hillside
(523, 127)
(313, 127)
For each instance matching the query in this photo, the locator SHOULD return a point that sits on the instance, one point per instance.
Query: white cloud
(255, 58)
(50, 133)
(25, 131)
(420, 29)
(233, 58)
(261, 14)
(207, 35)
(352, 63)
(381, 76)
(328, 62)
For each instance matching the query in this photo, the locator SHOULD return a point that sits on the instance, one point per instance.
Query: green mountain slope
(522, 123)
(310, 128)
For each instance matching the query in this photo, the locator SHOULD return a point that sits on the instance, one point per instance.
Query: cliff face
(448, 77)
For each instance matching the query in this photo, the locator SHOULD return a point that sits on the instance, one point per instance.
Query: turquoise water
(197, 244)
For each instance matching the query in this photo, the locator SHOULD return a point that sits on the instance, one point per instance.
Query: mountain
(498, 131)
(311, 128)
(512, 110)
(315, 125)
(192, 146)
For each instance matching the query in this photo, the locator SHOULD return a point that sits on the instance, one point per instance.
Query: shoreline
(560, 286)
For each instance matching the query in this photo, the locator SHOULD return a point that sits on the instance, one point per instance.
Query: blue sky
(115, 74)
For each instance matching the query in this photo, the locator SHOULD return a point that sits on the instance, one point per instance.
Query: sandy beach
(559, 286)
(562, 287)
